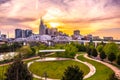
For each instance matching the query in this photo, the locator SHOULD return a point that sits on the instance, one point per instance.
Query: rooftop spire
(41, 19)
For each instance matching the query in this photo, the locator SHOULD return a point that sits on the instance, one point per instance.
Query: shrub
(102, 55)
(112, 77)
(81, 47)
(111, 57)
(94, 52)
(118, 59)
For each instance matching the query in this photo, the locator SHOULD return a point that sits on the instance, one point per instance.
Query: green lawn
(2, 71)
(36, 79)
(102, 71)
(55, 69)
(52, 55)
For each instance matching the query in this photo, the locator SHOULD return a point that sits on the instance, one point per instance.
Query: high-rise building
(42, 28)
(23, 34)
(76, 32)
(48, 31)
(3, 36)
(28, 33)
(53, 31)
(18, 33)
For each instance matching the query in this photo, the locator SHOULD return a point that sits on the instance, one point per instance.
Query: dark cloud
(4, 1)
(115, 2)
(112, 3)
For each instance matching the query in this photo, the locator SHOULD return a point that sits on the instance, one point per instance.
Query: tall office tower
(42, 28)
(18, 33)
(23, 34)
(28, 33)
(48, 31)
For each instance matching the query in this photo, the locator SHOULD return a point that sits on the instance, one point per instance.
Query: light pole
(45, 75)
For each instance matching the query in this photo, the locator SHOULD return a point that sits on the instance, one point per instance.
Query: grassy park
(102, 71)
(55, 69)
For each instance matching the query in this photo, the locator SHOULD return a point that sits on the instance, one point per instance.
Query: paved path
(22, 60)
(4, 64)
(92, 68)
(115, 69)
(45, 59)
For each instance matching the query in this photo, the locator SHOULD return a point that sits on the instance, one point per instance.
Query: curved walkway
(115, 69)
(4, 64)
(92, 68)
(46, 59)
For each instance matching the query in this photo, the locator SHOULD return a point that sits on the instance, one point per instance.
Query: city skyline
(95, 17)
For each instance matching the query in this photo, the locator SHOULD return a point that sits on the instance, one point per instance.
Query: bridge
(53, 50)
(96, 42)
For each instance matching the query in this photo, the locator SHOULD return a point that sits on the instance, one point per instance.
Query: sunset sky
(97, 17)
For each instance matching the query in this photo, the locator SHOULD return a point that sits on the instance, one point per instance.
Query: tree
(94, 52)
(4, 48)
(81, 47)
(26, 51)
(99, 48)
(18, 71)
(102, 55)
(89, 51)
(111, 48)
(73, 73)
(89, 48)
(15, 46)
(111, 57)
(36, 50)
(70, 51)
(118, 59)
(112, 77)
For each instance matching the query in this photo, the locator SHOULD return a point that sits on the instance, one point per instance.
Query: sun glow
(54, 24)
(52, 14)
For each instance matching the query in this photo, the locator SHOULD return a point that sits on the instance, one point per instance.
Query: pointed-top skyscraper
(42, 27)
